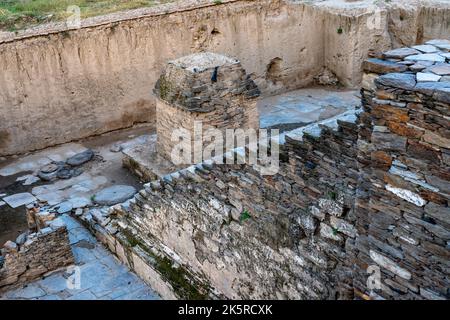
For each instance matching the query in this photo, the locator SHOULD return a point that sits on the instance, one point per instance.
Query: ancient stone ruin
(207, 88)
(357, 207)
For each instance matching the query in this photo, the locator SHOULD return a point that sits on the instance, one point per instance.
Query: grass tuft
(22, 14)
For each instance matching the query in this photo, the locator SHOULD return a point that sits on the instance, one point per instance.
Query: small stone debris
(80, 158)
(49, 172)
(116, 148)
(327, 78)
(49, 168)
(20, 240)
(64, 173)
(76, 172)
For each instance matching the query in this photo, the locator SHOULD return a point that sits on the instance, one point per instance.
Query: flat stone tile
(305, 106)
(49, 297)
(78, 234)
(434, 57)
(54, 283)
(142, 294)
(52, 197)
(31, 291)
(427, 77)
(82, 255)
(71, 223)
(19, 199)
(426, 48)
(85, 295)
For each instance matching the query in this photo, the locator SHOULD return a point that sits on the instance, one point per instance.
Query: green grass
(21, 14)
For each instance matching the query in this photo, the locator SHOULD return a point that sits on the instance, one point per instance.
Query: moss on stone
(176, 276)
(131, 239)
(164, 87)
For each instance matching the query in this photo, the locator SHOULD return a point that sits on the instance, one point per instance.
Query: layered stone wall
(35, 255)
(404, 144)
(358, 209)
(243, 235)
(55, 81)
(207, 90)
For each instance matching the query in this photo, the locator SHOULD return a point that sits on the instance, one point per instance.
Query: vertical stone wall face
(402, 209)
(358, 209)
(251, 236)
(38, 254)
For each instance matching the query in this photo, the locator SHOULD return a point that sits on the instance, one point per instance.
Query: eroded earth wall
(58, 85)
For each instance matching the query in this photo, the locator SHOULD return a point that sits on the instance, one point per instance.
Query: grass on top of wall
(21, 14)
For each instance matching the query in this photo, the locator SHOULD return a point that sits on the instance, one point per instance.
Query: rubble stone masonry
(206, 88)
(37, 254)
(358, 209)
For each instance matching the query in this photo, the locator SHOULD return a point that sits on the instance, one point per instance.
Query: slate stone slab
(80, 158)
(19, 199)
(114, 195)
(443, 94)
(427, 77)
(397, 80)
(382, 66)
(64, 173)
(437, 42)
(426, 57)
(442, 69)
(64, 207)
(426, 48)
(386, 141)
(445, 47)
(420, 65)
(429, 88)
(400, 53)
(49, 168)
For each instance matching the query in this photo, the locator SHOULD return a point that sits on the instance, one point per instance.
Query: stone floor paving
(101, 275)
(305, 106)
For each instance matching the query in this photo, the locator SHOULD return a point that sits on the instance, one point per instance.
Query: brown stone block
(382, 66)
(404, 130)
(390, 113)
(385, 95)
(381, 159)
(433, 197)
(423, 151)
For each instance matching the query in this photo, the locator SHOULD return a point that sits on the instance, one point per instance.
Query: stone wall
(35, 255)
(55, 81)
(243, 235)
(404, 145)
(359, 208)
(207, 90)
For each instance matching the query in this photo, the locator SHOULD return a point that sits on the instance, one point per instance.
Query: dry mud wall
(61, 86)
